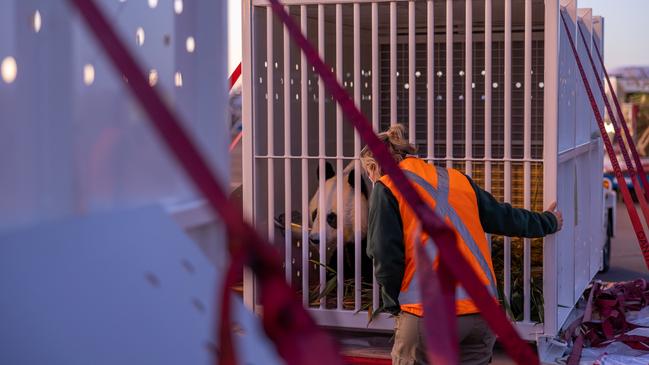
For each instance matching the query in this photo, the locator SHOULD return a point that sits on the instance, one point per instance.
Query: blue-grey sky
(626, 30)
(626, 40)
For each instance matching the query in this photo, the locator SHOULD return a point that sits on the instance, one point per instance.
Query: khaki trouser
(475, 336)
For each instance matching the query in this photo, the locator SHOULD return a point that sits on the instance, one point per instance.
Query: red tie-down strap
(644, 206)
(234, 77)
(636, 157)
(633, 214)
(443, 236)
(611, 302)
(295, 335)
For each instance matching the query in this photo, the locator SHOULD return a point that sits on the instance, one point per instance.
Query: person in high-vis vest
(393, 231)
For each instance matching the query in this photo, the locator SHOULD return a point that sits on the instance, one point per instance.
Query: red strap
(236, 141)
(575, 354)
(633, 214)
(443, 235)
(297, 338)
(618, 135)
(437, 289)
(235, 75)
(622, 119)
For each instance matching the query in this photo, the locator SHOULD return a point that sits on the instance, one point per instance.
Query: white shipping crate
(515, 117)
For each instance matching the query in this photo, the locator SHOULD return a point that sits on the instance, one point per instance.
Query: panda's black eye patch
(332, 220)
(314, 214)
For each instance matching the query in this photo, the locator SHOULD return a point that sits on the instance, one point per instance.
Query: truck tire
(606, 255)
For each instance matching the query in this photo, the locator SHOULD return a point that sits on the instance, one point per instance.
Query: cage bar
(393, 62)
(412, 84)
(430, 78)
(468, 82)
(321, 153)
(527, 154)
(288, 249)
(508, 141)
(304, 115)
(339, 161)
(449, 83)
(487, 91)
(357, 165)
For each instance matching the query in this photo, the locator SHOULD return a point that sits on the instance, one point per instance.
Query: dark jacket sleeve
(385, 245)
(503, 219)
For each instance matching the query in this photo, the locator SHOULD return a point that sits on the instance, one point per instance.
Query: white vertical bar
(393, 62)
(527, 155)
(430, 79)
(412, 112)
(247, 151)
(270, 137)
(550, 159)
(374, 72)
(339, 162)
(321, 155)
(508, 138)
(487, 91)
(288, 237)
(357, 165)
(449, 83)
(375, 108)
(305, 164)
(468, 89)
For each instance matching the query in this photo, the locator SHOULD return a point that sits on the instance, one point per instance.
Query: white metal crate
(525, 132)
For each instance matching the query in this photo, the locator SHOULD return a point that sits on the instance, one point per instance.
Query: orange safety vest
(452, 197)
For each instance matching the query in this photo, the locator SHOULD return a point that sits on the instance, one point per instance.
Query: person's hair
(396, 142)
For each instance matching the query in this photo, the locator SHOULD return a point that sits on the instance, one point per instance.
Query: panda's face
(324, 217)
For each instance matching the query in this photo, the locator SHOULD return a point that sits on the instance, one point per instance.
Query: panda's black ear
(352, 180)
(329, 171)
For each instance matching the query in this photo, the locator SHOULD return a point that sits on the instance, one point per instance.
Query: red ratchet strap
(618, 135)
(575, 354)
(612, 304)
(443, 235)
(235, 75)
(636, 157)
(440, 320)
(297, 338)
(633, 214)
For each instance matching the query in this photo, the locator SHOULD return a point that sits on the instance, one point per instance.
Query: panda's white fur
(331, 207)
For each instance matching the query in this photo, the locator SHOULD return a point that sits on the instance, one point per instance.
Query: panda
(332, 211)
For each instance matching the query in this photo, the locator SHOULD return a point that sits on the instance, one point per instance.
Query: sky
(626, 32)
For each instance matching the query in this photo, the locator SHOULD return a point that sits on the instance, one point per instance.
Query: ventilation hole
(88, 74)
(153, 77)
(37, 21)
(178, 79)
(139, 36)
(190, 44)
(153, 4)
(188, 266)
(198, 304)
(178, 6)
(9, 69)
(152, 279)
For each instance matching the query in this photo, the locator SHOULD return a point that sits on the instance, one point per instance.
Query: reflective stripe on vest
(444, 209)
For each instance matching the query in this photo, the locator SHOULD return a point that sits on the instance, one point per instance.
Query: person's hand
(557, 214)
